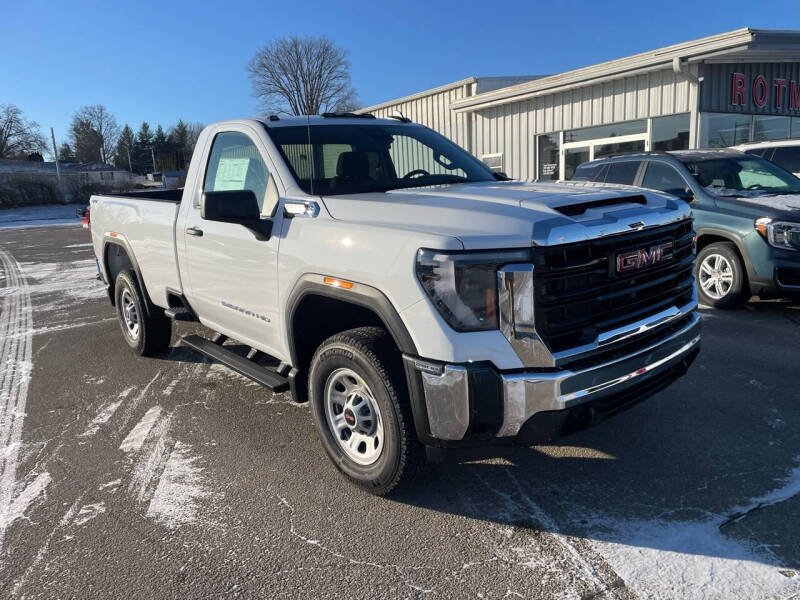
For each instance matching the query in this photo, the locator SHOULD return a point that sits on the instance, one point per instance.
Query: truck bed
(154, 195)
(144, 222)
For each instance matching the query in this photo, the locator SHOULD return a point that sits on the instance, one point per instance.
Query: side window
(787, 157)
(664, 178)
(623, 172)
(236, 164)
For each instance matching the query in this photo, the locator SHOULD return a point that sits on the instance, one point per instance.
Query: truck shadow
(709, 467)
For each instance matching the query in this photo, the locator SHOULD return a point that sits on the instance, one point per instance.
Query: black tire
(153, 332)
(725, 297)
(370, 353)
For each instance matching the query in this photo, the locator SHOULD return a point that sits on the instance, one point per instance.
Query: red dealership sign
(777, 93)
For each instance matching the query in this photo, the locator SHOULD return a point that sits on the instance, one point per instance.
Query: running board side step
(248, 368)
(179, 313)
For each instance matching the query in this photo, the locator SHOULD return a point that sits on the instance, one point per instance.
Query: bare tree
(18, 135)
(94, 133)
(301, 76)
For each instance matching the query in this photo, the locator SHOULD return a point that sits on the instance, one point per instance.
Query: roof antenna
(311, 151)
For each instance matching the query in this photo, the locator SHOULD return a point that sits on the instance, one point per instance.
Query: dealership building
(717, 91)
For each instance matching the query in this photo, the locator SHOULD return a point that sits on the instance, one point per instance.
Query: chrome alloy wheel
(353, 416)
(715, 276)
(129, 316)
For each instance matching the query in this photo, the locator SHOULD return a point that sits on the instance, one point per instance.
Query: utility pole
(55, 154)
(153, 155)
(130, 165)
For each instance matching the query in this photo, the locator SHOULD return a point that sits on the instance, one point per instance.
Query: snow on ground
(71, 281)
(39, 216)
(134, 441)
(180, 487)
(662, 558)
(106, 412)
(89, 512)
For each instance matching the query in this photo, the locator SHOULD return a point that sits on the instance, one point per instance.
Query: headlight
(463, 285)
(780, 234)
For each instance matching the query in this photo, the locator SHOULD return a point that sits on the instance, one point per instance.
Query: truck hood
(510, 214)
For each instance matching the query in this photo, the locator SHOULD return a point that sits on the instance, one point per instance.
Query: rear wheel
(721, 278)
(361, 409)
(145, 334)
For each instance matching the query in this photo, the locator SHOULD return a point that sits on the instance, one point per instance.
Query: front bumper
(476, 403)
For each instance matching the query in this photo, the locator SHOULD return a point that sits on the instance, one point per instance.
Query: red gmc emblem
(642, 258)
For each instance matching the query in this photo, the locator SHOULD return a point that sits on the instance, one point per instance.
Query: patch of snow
(106, 412)
(25, 498)
(134, 441)
(89, 512)
(180, 489)
(39, 216)
(111, 484)
(686, 559)
(695, 559)
(86, 245)
(151, 463)
(73, 281)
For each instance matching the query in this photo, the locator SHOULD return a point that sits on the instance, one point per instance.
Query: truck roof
(330, 119)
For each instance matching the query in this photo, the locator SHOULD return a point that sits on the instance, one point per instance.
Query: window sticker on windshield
(231, 174)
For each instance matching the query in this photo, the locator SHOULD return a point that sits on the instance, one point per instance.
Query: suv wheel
(144, 334)
(721, 278)
(361, 409)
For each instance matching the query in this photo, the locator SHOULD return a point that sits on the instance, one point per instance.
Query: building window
(670, 133)
(795, 128)
(727, 129)
(766, 127)
(606, 131)
(547, 157)
(493, 161)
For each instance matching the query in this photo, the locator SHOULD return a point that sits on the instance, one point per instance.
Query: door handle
(196, 231)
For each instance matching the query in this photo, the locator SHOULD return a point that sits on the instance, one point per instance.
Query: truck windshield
(356, 159)
(744, 175)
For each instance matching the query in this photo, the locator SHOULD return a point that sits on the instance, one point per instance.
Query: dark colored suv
(746, 211)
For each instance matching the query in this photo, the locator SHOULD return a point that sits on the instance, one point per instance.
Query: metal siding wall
(511, 128)
(434, 111)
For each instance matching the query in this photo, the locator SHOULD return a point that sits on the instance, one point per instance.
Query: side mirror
(236, 206)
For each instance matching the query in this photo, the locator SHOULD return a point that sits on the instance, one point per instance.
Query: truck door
(232, 276)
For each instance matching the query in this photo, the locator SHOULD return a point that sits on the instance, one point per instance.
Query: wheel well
(708, 238)
(116, 260)
(318, 317)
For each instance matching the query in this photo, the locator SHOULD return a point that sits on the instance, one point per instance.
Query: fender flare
(109, 241)
(736, 240)
(360, 294)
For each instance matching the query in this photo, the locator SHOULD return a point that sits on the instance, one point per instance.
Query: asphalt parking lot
(125, 477)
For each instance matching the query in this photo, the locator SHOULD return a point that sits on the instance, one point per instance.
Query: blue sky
(160, 61)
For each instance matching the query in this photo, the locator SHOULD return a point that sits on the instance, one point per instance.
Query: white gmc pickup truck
(413, 296)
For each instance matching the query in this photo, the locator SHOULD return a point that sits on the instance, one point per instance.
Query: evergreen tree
(160, 147)
(143, 162)
(178, 141)
(125, 149)
(65, 153)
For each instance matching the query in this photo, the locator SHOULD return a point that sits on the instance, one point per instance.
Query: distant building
(717, 91)
(30, 182)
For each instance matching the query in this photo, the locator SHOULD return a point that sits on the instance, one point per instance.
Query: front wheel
(721, 278)
(361, 409)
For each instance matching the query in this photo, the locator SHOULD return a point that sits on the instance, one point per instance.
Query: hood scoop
(574, 210)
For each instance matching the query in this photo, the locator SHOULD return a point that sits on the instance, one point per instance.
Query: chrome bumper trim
(525, 394)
